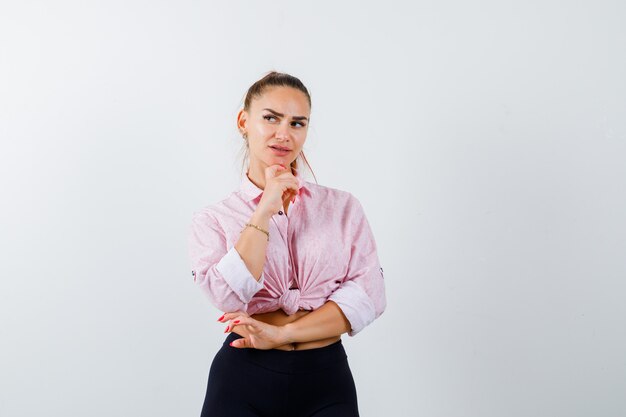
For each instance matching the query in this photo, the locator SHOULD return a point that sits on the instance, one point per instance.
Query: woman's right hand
(280, 186)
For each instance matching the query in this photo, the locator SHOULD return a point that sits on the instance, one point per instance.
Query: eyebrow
(282, 115)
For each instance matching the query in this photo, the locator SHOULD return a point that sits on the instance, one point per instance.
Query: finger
(231, 326)
(241, 343)
(237, 321)
(295, 191)
(290, 194)
(286, 173)
(287, 196)
(228, 316)
(289, 190)
(291, 184)
(272, 170)
(245, 320)
(288, 187)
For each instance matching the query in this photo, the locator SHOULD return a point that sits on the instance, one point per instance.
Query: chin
(283, 161)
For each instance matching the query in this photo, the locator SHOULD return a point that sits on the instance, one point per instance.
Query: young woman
(292, 264)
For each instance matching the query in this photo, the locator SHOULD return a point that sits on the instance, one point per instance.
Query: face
(277, 125)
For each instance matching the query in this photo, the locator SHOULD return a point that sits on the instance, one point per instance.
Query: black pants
(246, 382)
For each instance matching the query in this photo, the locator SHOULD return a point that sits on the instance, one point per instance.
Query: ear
(242, 119)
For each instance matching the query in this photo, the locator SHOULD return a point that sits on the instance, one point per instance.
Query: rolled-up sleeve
(361, 295)
(218, 270)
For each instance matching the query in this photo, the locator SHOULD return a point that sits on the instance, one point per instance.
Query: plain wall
(486, 141)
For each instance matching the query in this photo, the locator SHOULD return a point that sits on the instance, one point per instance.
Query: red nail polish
(227, 327)
(236, 321)
(220, 319)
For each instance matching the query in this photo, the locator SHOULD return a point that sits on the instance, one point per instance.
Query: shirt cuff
(355, 304)
(238, 277)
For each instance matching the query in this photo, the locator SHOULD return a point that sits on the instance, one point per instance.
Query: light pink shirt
(322, 249)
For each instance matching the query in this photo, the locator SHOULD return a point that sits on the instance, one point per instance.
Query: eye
(268, 116)
(301, 124)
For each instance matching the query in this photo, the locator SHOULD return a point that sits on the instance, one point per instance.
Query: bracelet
(258, 228)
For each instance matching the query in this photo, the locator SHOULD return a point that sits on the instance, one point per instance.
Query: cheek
(299, 139)
(264, 129)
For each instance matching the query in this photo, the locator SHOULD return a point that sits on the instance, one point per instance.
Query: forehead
(287, 100)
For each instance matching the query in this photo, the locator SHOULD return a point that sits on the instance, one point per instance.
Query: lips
(280, 148)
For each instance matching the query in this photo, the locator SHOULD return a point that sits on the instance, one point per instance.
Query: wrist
(261, 215)
(287, 333)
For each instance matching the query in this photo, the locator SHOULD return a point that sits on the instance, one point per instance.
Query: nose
(282, 132)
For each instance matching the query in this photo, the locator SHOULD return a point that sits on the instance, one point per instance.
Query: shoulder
(212, 213)
(331, 194)
(342, 206)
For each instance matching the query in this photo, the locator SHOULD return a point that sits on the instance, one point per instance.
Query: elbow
(220, 294)
(380, 303)
(361, 307)
(225, 302)
(377, 306)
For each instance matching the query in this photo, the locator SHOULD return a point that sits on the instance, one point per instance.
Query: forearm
(327, 321)
(252, 244)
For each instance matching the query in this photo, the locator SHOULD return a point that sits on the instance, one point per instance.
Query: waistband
(290, 361)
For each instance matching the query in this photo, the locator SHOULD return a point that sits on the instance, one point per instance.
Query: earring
(245, 135)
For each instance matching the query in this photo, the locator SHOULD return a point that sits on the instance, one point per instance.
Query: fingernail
(227, 327)
(231, 343)
(220, 319)
(236, 321)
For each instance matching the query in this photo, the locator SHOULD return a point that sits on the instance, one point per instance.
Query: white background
(486, 141)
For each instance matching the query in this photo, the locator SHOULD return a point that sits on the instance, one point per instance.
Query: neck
(256, 173)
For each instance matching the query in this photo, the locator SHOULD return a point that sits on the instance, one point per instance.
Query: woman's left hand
(260, 335)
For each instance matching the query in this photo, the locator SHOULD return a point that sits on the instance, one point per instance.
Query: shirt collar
(251, 191)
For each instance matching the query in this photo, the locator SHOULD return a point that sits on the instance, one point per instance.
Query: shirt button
(280, 212)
